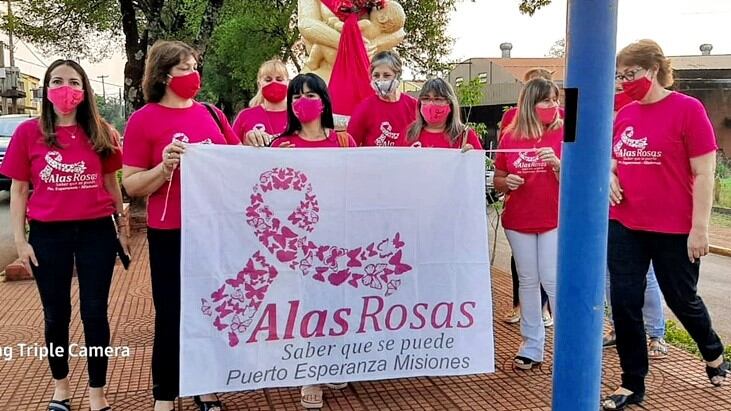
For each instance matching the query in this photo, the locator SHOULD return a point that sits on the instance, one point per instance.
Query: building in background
(31, 86)
(704, 76)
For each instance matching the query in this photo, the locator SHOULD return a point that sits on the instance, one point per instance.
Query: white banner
(305, 266)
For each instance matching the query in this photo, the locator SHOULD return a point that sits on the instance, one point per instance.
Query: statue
(321, 25)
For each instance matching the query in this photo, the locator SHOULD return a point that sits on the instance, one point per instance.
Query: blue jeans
(652, 310)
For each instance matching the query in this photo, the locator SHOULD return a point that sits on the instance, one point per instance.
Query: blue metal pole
(584, 206)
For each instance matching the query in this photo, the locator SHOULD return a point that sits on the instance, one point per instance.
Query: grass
(724, 198)
(676, 335)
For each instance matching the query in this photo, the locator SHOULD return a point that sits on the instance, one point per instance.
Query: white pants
(536, 261)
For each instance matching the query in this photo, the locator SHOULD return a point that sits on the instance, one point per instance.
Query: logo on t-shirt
(631, 150)
(62, 176)
(529, 164)
(388, 137)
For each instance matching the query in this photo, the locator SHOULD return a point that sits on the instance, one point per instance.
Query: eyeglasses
(440, 101)
(628, 75)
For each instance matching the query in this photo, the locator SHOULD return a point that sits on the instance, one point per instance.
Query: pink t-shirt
(331, 141)
(533, 207)
(381, 123)
(429, 139)
(653, 145)
(272, 122)
(153, 127)
(68, 182)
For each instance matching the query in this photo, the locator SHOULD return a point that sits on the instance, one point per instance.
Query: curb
(726, 252)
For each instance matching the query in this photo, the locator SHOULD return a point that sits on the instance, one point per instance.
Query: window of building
(482, 77)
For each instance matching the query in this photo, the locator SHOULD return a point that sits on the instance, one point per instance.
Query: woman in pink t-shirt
(70, 155)
(266, 116)
(513, 316)
(528, 172)
(383, 118)
(439, 122)
(154, 141)
(311, 125)
(664, 154)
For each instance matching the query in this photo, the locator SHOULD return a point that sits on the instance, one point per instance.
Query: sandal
(620, 401)
(311, 397)
(609, 340)
(512, 317)
(717, 375)
(56, 405)
(171, 409)
(525, 363)
(658, 349)
(208, 405)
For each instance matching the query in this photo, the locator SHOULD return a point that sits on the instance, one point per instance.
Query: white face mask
(385, 87)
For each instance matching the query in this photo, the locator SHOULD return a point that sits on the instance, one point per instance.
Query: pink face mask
(65, 99)
(435, 113)
(186, 86)
(307, 109)
(547, 115)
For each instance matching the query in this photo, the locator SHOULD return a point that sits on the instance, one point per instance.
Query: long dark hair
(87, 114)
(316, 85)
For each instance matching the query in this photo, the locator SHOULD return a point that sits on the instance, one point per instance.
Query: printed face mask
(385, 87)
(435, 113)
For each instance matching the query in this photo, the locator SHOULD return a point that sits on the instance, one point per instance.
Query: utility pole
(10, 35)
(104, 90)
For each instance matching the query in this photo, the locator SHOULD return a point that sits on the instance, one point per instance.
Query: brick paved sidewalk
(676, 383)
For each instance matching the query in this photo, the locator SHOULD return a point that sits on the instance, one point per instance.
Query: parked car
(8, 124)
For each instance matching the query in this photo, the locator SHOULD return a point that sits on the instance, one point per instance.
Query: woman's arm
(141, 183)
(498, 181)
(112, 186)
(703, 168)
(18, 201)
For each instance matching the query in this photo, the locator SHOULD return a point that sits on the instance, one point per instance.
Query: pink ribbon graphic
(376, 266)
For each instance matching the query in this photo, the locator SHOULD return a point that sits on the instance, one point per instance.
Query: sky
(679, 26)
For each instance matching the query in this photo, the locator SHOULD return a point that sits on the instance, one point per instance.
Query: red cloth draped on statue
(350, 80)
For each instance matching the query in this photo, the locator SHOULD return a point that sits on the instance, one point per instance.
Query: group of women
(71, 158)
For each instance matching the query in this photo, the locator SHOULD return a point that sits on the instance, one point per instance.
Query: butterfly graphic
(399, 267)
(206, 307)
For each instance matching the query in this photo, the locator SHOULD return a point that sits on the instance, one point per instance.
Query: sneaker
(513, 316)
(311, 397)
(657, 349)
(337, 386)
(609, 340)
(547, 320)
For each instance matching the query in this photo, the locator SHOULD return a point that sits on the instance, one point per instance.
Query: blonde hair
(274, 66)
(454, 127)
(648, 55)
(536, 72)
(526, 124)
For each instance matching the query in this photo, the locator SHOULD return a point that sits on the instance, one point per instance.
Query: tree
(91, 29)
(558, 49)
(529, 7)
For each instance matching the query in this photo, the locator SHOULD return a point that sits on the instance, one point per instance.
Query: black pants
(165, 272)
(629, 255)
(92, 245)
(516, 283)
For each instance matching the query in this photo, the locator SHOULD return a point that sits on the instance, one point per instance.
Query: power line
(90, 79)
